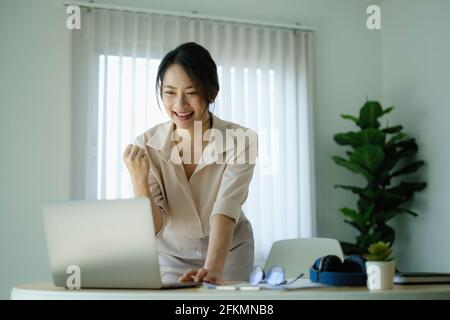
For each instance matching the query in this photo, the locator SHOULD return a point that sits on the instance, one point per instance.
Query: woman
(196, 174)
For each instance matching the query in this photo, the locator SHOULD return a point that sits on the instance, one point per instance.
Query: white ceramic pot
(380, 274)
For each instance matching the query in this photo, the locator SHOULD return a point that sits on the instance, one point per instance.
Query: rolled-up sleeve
(155, 189)
(234, 186)
(233, 190)
(158, 199)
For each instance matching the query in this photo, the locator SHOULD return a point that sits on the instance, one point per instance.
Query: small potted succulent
(380, 266)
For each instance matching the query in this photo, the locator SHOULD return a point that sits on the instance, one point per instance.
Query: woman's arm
(142, 189)
(138, 164)
(219, 244)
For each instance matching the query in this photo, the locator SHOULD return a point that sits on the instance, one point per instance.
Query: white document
(301, 283)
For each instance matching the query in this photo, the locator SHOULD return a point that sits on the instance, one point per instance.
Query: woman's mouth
(183, 116)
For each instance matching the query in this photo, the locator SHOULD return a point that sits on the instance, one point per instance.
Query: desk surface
(49, 291)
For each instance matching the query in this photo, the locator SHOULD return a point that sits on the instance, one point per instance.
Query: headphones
(330, 270)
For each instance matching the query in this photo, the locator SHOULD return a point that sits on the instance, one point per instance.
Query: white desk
(49, 291)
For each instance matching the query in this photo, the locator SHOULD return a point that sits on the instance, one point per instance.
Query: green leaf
(343, 139)
(391, 130)
(388, 215)
(367, 238)
(349, 117)
(387, 201)
(351, 188)
(368, 213)
(364, 137)
(406, 189)
(404, 210)
(387, 110)
(379, 251)
(354, 215)
(388, 234)
(364, 203)
(356, 190)
(396, 138)
(354, 225)
(353, 167)
(414, 214)
(351, 248)
(369, 114)
(369, 157)
(406, 148)
(372, 136)
(410, 168)
(389, 162)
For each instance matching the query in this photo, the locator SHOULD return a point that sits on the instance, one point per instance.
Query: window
(126, 108)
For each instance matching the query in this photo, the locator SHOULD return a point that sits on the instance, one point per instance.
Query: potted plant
(380, 266)
(382, 155)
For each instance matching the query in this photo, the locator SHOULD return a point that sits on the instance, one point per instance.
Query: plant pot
(380, 274)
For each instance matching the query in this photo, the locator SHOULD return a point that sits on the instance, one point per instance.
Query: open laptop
(111, 242)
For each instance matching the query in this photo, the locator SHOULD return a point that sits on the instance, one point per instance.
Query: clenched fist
(137, 162)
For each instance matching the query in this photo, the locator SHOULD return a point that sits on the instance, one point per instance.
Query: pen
(243, 288)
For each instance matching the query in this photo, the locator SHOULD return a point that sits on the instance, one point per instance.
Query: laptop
(108, 243)
(421, 278)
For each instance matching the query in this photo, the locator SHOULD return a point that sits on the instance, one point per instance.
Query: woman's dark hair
(198, 65)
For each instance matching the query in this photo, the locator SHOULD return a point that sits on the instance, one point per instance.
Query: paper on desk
(301, 283)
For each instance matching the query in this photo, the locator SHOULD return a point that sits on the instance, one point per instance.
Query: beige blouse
(219, 184)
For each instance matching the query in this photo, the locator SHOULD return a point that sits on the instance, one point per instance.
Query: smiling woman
(202, 232)
(187, 80)
(116, 61)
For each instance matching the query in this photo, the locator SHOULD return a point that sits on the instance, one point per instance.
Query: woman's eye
(169, 92)
(192, 93)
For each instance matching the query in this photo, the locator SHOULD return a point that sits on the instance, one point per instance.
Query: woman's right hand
(137, 162)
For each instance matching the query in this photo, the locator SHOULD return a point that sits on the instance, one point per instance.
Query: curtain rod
(194, 15)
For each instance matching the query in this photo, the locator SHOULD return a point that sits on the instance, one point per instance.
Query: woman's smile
(183, 116)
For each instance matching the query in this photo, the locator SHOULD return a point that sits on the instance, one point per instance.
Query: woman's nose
(180, 101)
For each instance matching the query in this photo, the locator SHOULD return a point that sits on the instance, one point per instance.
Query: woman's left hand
(202, 275)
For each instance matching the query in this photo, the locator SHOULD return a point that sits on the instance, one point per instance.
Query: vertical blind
(265, 84)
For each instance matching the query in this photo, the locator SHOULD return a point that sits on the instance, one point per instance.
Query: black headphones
(330, 270)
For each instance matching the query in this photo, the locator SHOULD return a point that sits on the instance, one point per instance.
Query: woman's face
(182, 100)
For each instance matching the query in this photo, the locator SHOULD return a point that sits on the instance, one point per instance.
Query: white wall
(34, 132)
(35, 108)
(416, 79)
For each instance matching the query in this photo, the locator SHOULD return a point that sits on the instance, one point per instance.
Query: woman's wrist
(139, 181)
(141, 188)
(217, 267)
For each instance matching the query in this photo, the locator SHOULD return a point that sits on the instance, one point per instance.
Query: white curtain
(265, 84)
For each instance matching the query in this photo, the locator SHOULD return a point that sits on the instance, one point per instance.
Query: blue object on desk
(330, 270)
